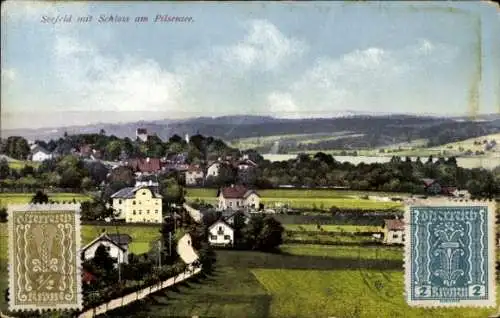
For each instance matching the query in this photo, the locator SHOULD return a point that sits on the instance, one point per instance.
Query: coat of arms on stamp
(44, 261)
(450, 253)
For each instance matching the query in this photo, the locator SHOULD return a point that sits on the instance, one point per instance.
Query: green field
(307, 282)
(20, 198)
(308, 199)
(18, 164)
(332, 228)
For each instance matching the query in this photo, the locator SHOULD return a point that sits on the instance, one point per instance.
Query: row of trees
(398, 175)
(112, 148)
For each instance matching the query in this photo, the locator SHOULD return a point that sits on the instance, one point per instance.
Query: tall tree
(40, 197)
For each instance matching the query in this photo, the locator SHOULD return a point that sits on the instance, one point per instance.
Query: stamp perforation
(41, 210)
(489, 299)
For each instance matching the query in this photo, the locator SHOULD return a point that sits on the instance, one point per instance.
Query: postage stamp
(44, 262)
(450, 253)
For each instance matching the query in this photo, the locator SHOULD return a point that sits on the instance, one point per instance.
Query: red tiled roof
(394, 225)
(428, 182)
(448, 190)
(143, 165)
(235, 192)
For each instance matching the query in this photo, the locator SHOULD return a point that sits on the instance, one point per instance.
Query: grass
(333, 228)
(19, 164)
(389, 253)
(308, 199)
(311, 282)
(20, 198)
(345, 293)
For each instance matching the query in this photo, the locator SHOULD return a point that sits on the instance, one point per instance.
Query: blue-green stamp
(450, 253)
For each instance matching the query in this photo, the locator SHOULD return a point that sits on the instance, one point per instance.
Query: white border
(491, 210)
(45, 208)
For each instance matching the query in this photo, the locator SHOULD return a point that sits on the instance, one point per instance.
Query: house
(145, 165)
(194, 176)
(85, 151)
(461, 194)
(117, 245)
(150, 181)
(229, 216)
(38, 153)
(221, 234)
(213, 169)
(448, 191)
(394, 231)
(238, 197)
(431, 186)
(141, 134)
(138, 205)
(245, 168)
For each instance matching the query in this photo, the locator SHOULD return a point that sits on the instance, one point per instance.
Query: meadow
(308, 199)
(19, 164)
(21, 198)
(332, 228)
(301, 282)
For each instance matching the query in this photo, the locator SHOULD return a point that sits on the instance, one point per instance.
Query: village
(143, 214)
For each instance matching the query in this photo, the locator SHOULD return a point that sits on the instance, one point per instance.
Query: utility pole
(159, 254)
(170, 243)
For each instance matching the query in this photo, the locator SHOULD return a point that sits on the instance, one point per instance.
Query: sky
(291, 60)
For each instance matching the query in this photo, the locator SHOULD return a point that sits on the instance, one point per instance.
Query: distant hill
(365, 131)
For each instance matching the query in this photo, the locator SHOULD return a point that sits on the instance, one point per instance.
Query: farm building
(238, 197)
(431, 186)
(116, 244)
(221, 234)
(39, 154)
(394, 231)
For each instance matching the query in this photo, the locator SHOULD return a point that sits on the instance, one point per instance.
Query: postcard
(249, 159)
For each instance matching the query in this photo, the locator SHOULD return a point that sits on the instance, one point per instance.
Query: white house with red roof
(394, 231)
(238, 197)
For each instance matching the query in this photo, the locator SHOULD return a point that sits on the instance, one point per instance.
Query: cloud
(264, 45)
(98, 81)
(103, 82)
(357, 79)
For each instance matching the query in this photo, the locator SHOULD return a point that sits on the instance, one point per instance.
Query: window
(237, 203)
(230, 203)
(144, 193)
(395, 235)
(227, 237)
(133, 202)
(133, 212)
(213, 237)
(139, 202)
(140, 212)
(147, 212)
(120, 210)
(156, 211)
(120, 201)
(403, 238)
